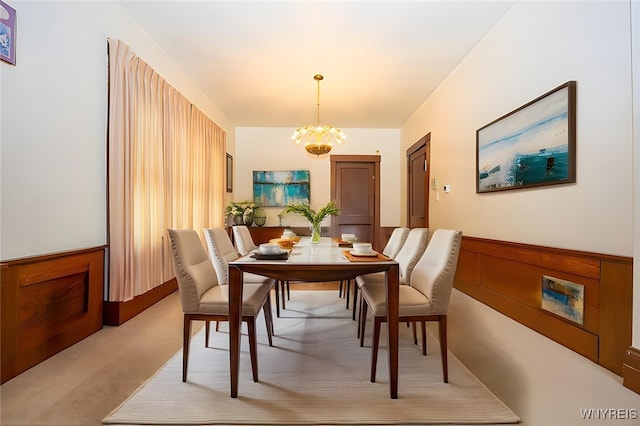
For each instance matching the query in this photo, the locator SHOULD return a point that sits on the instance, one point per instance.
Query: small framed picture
(7, 33)
(229, 173)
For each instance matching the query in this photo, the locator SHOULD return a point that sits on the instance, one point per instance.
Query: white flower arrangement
(240, 208)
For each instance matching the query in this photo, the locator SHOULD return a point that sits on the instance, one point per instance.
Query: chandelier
(318, 139)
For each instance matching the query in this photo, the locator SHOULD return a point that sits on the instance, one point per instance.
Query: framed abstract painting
(534, 145)
(281, 188)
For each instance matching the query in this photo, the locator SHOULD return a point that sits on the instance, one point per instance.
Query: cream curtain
(166, 170)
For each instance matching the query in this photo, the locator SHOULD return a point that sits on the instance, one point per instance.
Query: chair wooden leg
(356, 290)
(374, 347)
(363, 319)
(207, 328)
(443, 347)
(424, 336)
(217, 325)
(277, 287)
(415, 334)
(186, 338)
(288, 291)
(268, 319)
(340, 287)
(347, 293)
(253, 347)
(283, 284)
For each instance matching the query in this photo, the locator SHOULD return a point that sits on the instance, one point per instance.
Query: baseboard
(631, 369)
(117, 313)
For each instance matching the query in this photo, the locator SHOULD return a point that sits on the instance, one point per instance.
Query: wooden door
(355, 187)
(418, 184)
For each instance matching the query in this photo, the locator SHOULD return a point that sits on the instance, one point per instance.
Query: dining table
(325, 261)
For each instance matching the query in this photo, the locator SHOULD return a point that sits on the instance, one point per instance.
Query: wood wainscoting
(49, 303)
(117, 313)
(631, 369)
(508, 277)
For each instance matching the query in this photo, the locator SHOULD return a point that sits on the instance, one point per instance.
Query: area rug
(316, 373)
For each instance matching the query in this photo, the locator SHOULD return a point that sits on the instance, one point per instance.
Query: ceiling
(256, 60)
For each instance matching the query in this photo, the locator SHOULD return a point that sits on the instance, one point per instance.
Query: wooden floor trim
(631, 369)
(117, 313)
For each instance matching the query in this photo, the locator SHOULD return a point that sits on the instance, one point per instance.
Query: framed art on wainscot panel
(7, 33)
(229, 173)
(563, 298)
(534, 145)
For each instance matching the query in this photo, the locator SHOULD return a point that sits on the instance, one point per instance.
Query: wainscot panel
(49, 303)
(508, 277)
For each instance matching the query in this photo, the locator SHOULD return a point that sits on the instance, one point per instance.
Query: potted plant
(314, 218)
(241, 211)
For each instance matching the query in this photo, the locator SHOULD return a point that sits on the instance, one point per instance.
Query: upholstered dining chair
(395, 243)
(221, 252)
(391, 249)
(245, 244)
(204, 299)
(411, 251)
(244, 241)
(427, 296)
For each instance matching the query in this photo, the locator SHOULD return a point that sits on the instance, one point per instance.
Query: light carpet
(315, 373)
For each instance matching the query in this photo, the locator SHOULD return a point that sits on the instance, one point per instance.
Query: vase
(248, 219)
(315, 233)
(260, 220)
(237, 220)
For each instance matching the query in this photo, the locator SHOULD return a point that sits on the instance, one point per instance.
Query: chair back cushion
(243, 239)
(194, 271)
(411, 251)
(434, 273)
(395, 243)
(221, 252)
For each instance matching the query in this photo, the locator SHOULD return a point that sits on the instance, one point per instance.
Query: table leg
(235, 321)
(392, 291)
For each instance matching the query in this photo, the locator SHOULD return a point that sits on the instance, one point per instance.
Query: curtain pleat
(166, 170)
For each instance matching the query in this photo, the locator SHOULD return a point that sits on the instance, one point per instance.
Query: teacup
(270, 248)
(288, 233)
(362, 248)
(348, 237)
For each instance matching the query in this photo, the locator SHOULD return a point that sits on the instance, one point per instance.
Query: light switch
(434, 184)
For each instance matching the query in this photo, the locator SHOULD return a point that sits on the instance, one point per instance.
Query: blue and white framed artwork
(534, 145)
(280, 188)
(563, 298)
(7, 33)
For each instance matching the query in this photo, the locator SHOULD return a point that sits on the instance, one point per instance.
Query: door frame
(375, 159)
(426, 142)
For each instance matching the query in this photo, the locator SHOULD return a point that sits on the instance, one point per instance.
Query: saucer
(275, 256)
(371, 253)
(272, 252)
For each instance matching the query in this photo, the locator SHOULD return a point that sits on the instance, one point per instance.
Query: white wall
(260, 148)
(536, 47)
(53, 124)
